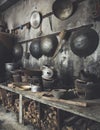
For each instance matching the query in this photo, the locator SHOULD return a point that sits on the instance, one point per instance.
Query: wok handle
(61, 35)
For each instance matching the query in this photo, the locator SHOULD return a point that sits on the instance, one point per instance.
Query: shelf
(91, 112)
(55, 33)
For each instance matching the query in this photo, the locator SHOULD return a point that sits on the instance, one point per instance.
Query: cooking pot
(49, 45)
(47, 72)
(17, 51)
(11, 66)
(84, 42)
(87, 90)
(62, 9)
(35, 48)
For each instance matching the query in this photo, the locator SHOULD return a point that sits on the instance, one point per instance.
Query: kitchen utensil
(87, 90)
(47, 72)
(17, 51)
(27, 54)
(49, 45)
(35, 88)
(49, 84)
(50, 22)
(35, 48)
(11, 66)
(62, 9)
(36, 19)
(84, 42)
(61, 35)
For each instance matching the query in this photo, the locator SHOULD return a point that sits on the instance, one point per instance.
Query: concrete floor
(8, 121)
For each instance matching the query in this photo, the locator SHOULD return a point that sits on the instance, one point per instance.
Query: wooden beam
(20, 109)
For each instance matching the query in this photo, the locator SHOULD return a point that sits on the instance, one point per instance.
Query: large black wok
(35, 48)
(49, 45)
(17, 52)
(62, 9)
(84, 42)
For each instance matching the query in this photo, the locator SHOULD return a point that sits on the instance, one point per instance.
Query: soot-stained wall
(66, 63)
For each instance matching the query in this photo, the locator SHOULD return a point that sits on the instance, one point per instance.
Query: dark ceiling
(5, 4)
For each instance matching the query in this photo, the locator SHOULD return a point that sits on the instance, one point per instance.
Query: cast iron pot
(62, 9)
(11, 66)
(35, 48)
(17, 52)
(84, 42)
(49, 45)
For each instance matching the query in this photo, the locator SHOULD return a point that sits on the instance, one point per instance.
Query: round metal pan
(35, 48)
(62, 9)
(17, 51)
(84, 42)
(36, 19)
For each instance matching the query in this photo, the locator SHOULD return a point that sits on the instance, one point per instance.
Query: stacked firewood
(31, 114)
(81, 124)
(30, 111)
(10, 100)
(49, 118)
(25, 103)
(16, 106)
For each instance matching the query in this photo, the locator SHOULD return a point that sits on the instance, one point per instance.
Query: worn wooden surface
(20, 109)
(90, 112)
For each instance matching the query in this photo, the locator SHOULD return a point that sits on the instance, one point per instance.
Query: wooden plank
(20, 109)
(76, 103)
(55, 33)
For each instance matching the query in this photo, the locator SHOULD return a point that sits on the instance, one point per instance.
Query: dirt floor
(8, 121)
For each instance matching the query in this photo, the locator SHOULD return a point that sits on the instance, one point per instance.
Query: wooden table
(91, 112)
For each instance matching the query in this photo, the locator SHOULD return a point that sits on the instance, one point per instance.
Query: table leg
(20, 109)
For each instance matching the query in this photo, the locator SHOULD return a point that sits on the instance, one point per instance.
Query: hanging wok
(35, 48)
(49, 45)
(17, 52)
(62, 9)
(84, 42)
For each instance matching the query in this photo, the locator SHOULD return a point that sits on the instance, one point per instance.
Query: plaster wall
(66, 63)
